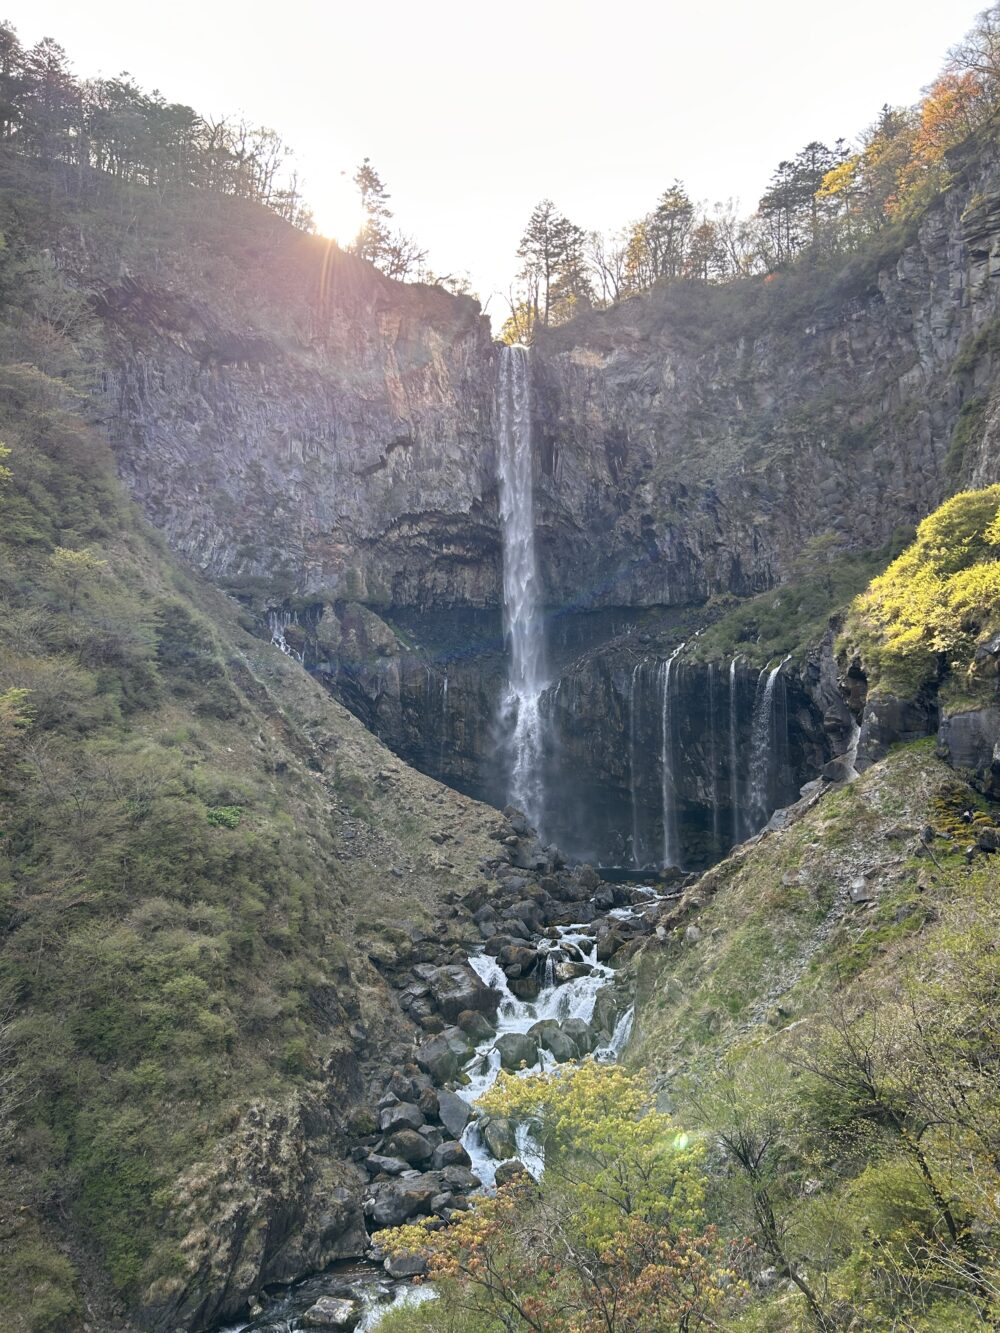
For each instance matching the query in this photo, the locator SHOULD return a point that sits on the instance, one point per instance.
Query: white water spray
(523, 623)
(668, 800)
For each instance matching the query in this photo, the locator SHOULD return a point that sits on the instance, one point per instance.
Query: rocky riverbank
(541, 986)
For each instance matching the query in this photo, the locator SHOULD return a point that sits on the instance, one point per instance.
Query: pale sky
(472, 112)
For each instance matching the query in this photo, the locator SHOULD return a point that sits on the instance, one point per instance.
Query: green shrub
(936, 603)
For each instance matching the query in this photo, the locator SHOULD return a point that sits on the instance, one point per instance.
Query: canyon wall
(326, 450)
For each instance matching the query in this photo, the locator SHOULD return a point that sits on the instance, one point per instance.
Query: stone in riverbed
(517, 1048)
(513, 1170)
(409, 1145)
(457, 988)
(453, 1113)
(579, 1032)
(459, 1179)
(606, 1010)
(442, 1056)
(551, 1037)
(498, 1135)
(477, 1026)
(404, 1115)
(332, 1312)
(517, 960)
(450, 1153)
(389, 1204)
(405, 1264)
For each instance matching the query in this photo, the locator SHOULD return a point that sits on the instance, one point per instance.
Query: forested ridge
(822, 204)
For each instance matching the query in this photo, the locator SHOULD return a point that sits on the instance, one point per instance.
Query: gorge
(679, 459)
(392, 717)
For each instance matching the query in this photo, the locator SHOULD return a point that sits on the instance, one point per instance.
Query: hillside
(205, 862)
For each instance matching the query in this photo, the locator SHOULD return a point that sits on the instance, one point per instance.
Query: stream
(576, 984)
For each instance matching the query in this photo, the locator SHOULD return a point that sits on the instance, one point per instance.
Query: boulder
(517, 960)
(332, 1312)
(579, 1032)
(475, 1025)
(409, 1145)
(606, 1010)
(443, 1055)
(513, 1170)
(527, 911)
(459, 1179)
(457, 988)
(389, 1204)
(551, 1037)
(406, 1264)
(517, 1048)
(377, 1164)
(404, 1115)
(454, 1113)
(587, 878)
(450, 1153)
(498, 1135)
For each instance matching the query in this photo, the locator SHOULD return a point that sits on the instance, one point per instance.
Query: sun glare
(337, 209)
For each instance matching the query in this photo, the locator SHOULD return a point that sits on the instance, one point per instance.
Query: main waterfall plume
(523, 623)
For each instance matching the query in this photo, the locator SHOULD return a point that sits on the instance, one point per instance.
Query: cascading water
(713, 756)
(580, 997)
(575, 998)
(277, 623)
(668, 797)
(766, 749)
(523, 622)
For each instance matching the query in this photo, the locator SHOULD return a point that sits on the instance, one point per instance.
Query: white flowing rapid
(575, 998)
(521, 714)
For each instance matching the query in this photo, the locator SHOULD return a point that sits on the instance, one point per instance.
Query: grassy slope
(199, 850)
(765, 947)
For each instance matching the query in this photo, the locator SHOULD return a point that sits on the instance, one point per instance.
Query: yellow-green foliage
(612, 1240)
(636, 1158)
(937, 602)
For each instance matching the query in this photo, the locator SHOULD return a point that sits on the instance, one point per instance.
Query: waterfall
(765, 758)
(633, 764)
(444, 721)
(523, 625)
(734, 758)
(277, 623)
(668, 786)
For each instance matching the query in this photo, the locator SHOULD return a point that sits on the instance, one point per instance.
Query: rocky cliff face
(326, 449)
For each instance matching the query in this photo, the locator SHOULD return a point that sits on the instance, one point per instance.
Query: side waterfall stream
(578, 991)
